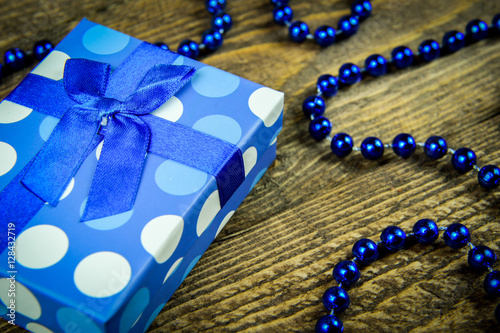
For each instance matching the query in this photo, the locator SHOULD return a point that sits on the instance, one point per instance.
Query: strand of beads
(403, 145)
(212, 38)
(324, 35)
(393, 239)
(16, 59)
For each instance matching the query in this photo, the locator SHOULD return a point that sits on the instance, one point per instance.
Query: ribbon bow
(94, 116)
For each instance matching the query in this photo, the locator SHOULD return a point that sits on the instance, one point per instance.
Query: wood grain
(267, 270)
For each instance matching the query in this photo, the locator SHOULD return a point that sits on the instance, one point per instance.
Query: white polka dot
(68, 189)
(71, 321)
(98, 150)
(210, 208)
(102, 274)
(274, 141)
(224, 222)
(179, 179)
(222, 127)
(134, 309)
(266, 104)
(161, 236)
(8, 158)
(11, 112)
(249, 159)
(171, 110)
(103, 40)
(37, 328)
(173, 268)
(47, 126)
(109, 222)
(178, 61)
(212, 82)
(25, 302)
(41, 246)
(52, 66)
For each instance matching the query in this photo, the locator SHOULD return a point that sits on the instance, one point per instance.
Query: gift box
(120, 163)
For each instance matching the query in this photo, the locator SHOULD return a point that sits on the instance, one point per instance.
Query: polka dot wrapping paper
(116, 273)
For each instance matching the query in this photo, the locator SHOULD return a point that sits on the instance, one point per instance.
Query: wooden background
(267, 270)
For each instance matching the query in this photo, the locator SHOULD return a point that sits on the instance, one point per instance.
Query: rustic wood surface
(267, 270)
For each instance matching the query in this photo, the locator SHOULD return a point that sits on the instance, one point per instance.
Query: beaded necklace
(403, 145)
(324, 35)
(16, 59)
(393, 239)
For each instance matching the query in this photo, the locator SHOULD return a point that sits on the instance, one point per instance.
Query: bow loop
(85, 80)
(159, 84)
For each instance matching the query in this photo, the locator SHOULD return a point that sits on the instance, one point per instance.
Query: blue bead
(429, 50)
(404, 145)
(325, 35)
(456, 236)
(492, 283)
(372, 148)
(402, 57)
(341, 144)
(328, 85)
(481, 257)
(453, 41)
(376, 65)
(222, 22)
(349, 74)
(15, 59)
(162, 45)
(496, 26)
(282, 14)
(426, 231)
(361, 8)
(365, 250)
(41, 49)
(319, 128)
(393, 238)
(349, 25)
(476, 30)
(489, 177)
(298, 31)
(346, 272)
(435, 147)
(279, 2)
(463, 160)
(189, 48)
(314, 106)
(336, 299)
(329, 324)
(215, 6)
(212, 39)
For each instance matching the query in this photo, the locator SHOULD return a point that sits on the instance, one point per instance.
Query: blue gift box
(115, 273)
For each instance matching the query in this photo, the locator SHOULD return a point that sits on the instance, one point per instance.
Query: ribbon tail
(19, 205)
(118, 173)
(60, 158)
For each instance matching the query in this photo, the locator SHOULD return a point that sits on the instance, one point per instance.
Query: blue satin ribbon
(94, 104)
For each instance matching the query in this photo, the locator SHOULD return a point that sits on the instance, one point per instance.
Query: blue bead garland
(212, 38)
(426, 232)
(403, 145)
(324, 35)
